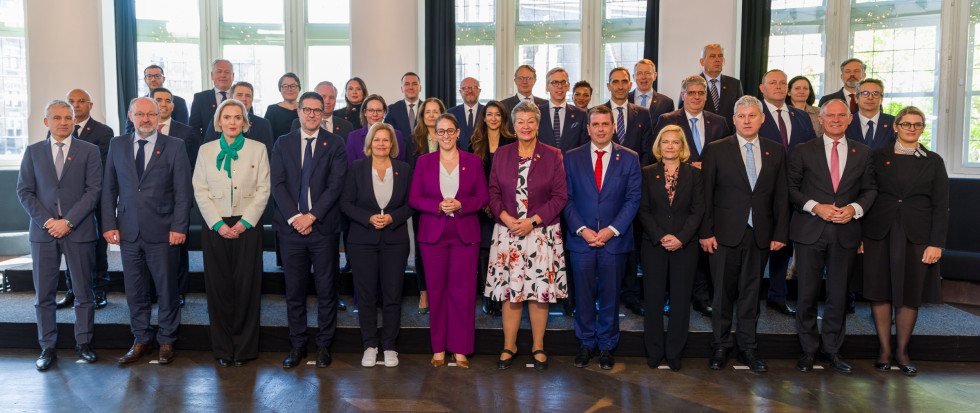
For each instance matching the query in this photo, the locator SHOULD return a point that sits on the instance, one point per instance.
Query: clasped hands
(176, 238)
(380, 221)
(710, 245)
(302, 224)
(58, 228)
(449, 205)
(597, 239)
(834, 214)
(234, 231)
(520, 227)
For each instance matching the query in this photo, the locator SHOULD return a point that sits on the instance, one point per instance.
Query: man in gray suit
(59, 185)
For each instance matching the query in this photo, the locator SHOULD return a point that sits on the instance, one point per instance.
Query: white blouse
(449, 182)
(383, 187)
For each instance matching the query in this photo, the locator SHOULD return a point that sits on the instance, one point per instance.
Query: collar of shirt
(151, 140)
(305, 135)
(165, 123)
(774, 108)
(607, 148)
(613, 106)
(638, 96)
(327, 123)
(828, 141)
(552, 106)
(699, 117)
(864, 120)
(217, 94)
(67, 143)
(709, 78)
(81, 125)
(742, 141)
(522, 97)
(469, 108)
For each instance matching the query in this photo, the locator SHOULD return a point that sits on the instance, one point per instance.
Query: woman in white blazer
(231, 185)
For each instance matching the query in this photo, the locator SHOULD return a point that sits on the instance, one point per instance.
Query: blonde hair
(222, 106)
(393, 152)
(685, 150)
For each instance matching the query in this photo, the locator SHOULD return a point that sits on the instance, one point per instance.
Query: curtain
(651, 49)
(126, 83)
(440, 51)
(756, 17)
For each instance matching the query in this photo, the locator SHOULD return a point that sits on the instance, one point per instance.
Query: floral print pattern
(670, 183)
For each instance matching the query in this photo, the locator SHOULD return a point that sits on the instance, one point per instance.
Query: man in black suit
(645, 73)
(403, 114)
(557, 115)
(153, 77)
(469, 112)
(206, 102)
(524, 78)
(830, 186)
(307, 171)
(723, 90)
(789, 127)
(328, 121)
(746, 216)
(99, 134)
(852, 72)
(259, 130)
(871, 126)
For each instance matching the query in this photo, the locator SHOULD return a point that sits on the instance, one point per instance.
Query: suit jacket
(809, 179)
(202, 111)
(511, 102)
(397, 116)
(39, 189)
(638, 127)
(350, 114)
(355, 145)
(179, 113)
(839, 95)
(921, 203)
(341, 127)
(245, 194)
(425, 196)
(659, 104)
(192, 141)
(359, 203)
(98, 134)
(615, 205)
(574, 133)
(465, 131)
(155, 205)
(801, 129)
(730, 91)
(259, 130)
(884, 134)
(728, 198)
(546, 186)
(715, 128)
(680, 218)
(326, 182)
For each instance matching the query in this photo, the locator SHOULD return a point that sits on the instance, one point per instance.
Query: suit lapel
(156, 153)
(850, 164)
(736, 152)
(47, 160)
(824, 164)
(660, 182)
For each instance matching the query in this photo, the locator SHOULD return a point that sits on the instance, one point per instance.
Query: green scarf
(229, 152)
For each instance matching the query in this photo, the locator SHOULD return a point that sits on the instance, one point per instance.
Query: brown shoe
(166, 353)
(138, 350)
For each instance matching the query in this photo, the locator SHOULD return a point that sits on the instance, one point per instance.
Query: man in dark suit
(723, 90)
(830, 186)
(603, 180)
(524, 78)
(789, 127)
(99, 134)
(871, 126)
(328, 121)
(58, 185)
(746, 216)
(645, 73)
(558, 115)
(146, 204)
(153, 77)
(307, 172)
(206, 102)
(259, 128)
(469, 112)
(852, 72)
(403, 114)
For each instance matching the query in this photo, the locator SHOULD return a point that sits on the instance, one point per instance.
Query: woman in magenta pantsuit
(448, 190)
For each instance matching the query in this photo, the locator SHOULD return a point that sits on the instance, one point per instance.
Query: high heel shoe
(437, 362)
(464, 363)
(505, 364)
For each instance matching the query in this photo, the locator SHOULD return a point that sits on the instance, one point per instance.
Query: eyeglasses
(524, 78)
(557, 83)
(289, 87)
(912, 126)
(752, 116)
(875, 94)
(441, 132)
(140, 115)
(153, 76)
(312, 111)
(695, 92)
(374, 110)
(469, 88)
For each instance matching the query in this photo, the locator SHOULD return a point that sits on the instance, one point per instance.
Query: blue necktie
(750, 170)
(556, 127)
(621, 126)
(696, 133)
(643, 100)
(870, 135)
(140, 158)
(224, 96)
(304, 186)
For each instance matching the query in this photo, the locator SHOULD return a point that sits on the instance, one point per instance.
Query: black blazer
(511, 102)
(351, 114)
(809, 179)
(574, 133)
(341, 127)
(728, 196)
(192, 141)
(659, 104)
(98, 134)
(884, 135)
(397, 116)
(916, 196)
(659, 216)
(730, 91)
(358, 203)
(326, 182)
(202, 111)
(638, 126)
(259, 130)
(715, 128)
(839, 95)
(465, 132)
(801, 129)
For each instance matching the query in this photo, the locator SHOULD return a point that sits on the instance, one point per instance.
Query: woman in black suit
(904, 233)
(376, 200)
(670, 213)
(355, 91)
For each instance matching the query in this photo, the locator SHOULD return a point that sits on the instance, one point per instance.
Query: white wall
(681, 41)
(384, 44)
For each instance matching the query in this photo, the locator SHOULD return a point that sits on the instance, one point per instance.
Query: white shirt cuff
(290, 220)
(858, 211)
(808, 206)
(579, 231)
(614, 230)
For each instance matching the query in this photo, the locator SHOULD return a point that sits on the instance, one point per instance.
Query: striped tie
(750, 171)
(621, 126)
(556, 127)
(715, 96)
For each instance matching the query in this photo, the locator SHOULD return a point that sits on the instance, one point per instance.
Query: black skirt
(894, 271)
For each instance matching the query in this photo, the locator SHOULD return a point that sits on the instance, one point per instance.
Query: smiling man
(469, 112)
(644, 74)
(852, 72)
(205, 102)
(562, 125)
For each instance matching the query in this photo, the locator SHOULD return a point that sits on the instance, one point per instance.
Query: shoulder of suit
(709, 115)
(625, 151)
(858, 146)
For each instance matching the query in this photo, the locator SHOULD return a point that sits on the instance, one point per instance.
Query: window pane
(169, 37)
(261, 66)
(899, 42)
(476, 62)
(549, 10)
(179, 18)
(548, 36)
(328, 11)
(797, 40)
(623, 31)
(331, 63)
(475, 41)
(13, 81)
(971, 150)
(328, 43)
(252, 11)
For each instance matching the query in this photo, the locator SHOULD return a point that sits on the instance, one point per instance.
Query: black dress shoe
(583, 357)
(487, 309)
(718, 359)
(45, 360)
(224, 362)
(181, 299)
(505, 364)
(323, 358)
(539, 365)
(702, 307)
(654, 363)
(882, 366)
(674, 364)
(568, 307)
(749, 359)
(85, 352)
(296, 355)
(239, 363)
(806, 362)
(341, 306)
(606, 360)
(636, 307)
(907, 369)
(849, 305)
(781, 308)
(67, 301)
(839, 364)
(100, 300)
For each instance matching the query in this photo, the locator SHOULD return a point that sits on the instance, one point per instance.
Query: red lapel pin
(69, 158)
(396, 172)
(853, 150)
(88, 128)
(253, 166)
(214, 106)
(158, 152)
(464, 168)
(885, 125)
(324, 144)
(708, 122)
(888, 163)
(658, 176)
(767, 153)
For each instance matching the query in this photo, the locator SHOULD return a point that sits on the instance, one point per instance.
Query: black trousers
(298, 256)
(736, 273)
(233, 282)
(812, 260)
(702, 279)
(379, 265)
(632, 288)
(660, 268)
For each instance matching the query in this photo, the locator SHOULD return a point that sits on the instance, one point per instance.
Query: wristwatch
(534, 224)
(70, 226)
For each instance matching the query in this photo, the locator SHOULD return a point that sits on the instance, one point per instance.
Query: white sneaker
(370, 357)
(391, 358)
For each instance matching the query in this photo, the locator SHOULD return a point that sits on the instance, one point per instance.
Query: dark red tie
(782, 129)
(598, 170)
(854, 103)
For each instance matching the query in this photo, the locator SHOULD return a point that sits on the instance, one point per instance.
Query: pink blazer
(546, 193)
(426, 195)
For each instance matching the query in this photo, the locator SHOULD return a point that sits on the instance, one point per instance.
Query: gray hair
(864, 67)
(60, 104)
(693, 80)
(704, 50)
(393, 153)
(526, 107)
(216, 61)
(748, 101)
(823, 107)
(133, 101)
(222, 106)
(326, 83)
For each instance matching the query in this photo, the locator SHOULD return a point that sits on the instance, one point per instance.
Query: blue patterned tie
(556, 127)
(304, 186)
(643, 100)
(620, 126)
(869, 137)
(696, 133)
(750, 170)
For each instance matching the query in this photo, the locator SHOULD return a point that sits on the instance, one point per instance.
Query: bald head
(145, 115)
(81, 102)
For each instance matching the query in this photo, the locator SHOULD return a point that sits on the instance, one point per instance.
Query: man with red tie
(852, 72)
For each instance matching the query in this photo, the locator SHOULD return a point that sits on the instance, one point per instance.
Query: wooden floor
(195, 383)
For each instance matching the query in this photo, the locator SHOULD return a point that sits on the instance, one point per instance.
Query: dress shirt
(384, 187)
(81, 126)
(864, 124)
(523, 98)
(151, 141)
(327, 123)
(756, 150)
(217, 95)
(615, 116)
(828, 145)
(54, 148)
(785, 116)
(638, 98)
(166, 126)
(469, 110)
(606, 157)
(448, 182)
(415, 108)
(847, 97)
(302, 153)
(700, 123)
(551, 115)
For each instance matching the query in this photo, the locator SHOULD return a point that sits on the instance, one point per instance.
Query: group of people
(519, 200)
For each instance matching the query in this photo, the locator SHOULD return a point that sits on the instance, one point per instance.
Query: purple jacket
(426, 195)
(545, 181)
(355, 145)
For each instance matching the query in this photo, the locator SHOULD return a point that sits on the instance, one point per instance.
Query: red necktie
(598, 170)
(160, 128)
(854, 103)
(835, 166)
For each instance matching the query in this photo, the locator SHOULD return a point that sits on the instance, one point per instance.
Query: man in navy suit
(259, 130)
(645, 73)
(723, 90)
(603, 180)
(557, 115)
(146, 204)
(524, 78)
(206, 102)
(328, 121)
(789, 127)
(59, 184)
(469, 112)
(871, 126)
(852, 72)
(403, 114)
(307, 171)
(153, 77)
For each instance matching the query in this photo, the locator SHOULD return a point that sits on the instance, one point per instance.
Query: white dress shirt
(756, 150)
(700, 125)
(847, 96)
(382, 187)
(327, 124)
(615, 115)
(606, 157)
(828, 145)
(54, 148)
(151, 142)
(784, 114)
(529, 98)
(864, 124)
(166, 126)
(449, 182)
(302, 153)
(409, 110)
(217, 95)
(638, 98)
(561, 115)
(81, 126)
(470, 110)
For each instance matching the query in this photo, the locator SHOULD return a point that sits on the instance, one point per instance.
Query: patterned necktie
(141, 158)
(782, 129)
(598, 170)
(77, 128)
(835, 166)
(556, 127)
(59, 166)
(304, 186)
(750, 171)
(643, 100)
(621, 126)
(715, 96)
(869, 136)
(411, 115)
(697, 134)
